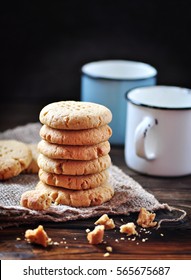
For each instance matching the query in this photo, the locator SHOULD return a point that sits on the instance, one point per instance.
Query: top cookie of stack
(75, 115)
(74, 153)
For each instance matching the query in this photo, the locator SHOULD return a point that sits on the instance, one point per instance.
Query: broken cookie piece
(35, 200)
(96, 236)
(146, 218)
(129, 228)
(37, 236)
(106, 221)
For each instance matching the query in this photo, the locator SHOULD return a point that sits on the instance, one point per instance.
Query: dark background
(45, 43)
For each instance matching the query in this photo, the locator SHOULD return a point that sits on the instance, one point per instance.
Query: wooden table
(171, 241)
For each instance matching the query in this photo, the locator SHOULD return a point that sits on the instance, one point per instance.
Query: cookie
(79, 182)
(76, 137)
(35, 200)
(33, 166)
(15, 156)
(56, 151)
(74, 167)
(75, 115)
(83, 198)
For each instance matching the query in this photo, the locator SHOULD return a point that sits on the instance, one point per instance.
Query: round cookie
(15, 156)
(76, 137)
(75, 115)
(83, 198)
(80, 182)
(33, 166)
(56, 151)
(74, 167)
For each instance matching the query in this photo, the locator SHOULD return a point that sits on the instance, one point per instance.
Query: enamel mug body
(158, 135)
(106, 82)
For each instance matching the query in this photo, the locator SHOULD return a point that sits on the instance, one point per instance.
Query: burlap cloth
(129, 195)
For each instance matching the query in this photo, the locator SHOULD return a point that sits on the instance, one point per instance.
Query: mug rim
(137, 103)
(86, 72)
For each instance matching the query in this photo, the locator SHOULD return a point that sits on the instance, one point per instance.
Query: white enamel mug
(158, 132)
(106, 82)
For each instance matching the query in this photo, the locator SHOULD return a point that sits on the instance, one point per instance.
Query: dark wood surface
(171, 241)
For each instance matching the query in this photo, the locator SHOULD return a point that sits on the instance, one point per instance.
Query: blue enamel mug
(106, 82)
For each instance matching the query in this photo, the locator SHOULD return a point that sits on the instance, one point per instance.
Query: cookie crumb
(106, 221)
(96, 236)
(37, 236)
(129, 228)
(146, 218)
(106, 254)
(109, 249)
(144, 239)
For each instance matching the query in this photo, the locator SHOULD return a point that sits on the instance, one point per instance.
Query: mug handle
(140, 138)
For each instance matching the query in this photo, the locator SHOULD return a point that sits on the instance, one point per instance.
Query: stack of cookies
(74, 153)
